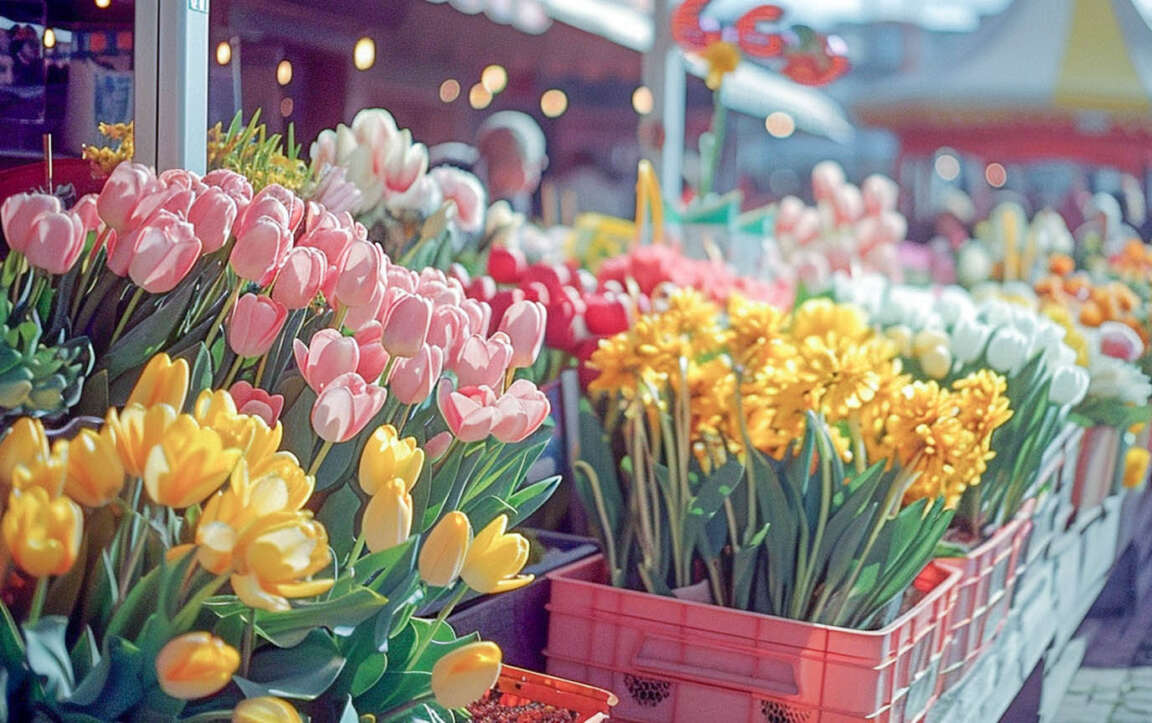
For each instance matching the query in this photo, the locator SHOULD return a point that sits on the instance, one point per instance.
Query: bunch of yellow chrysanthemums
(755, 379)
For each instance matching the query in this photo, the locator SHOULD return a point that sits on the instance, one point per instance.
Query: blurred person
(511, 158)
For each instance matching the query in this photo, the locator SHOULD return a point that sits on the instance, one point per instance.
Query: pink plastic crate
(673, 661)
(983, 595)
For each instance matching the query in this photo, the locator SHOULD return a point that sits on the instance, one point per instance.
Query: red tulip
(607, 314)
(506, 265)
(256, 402)
(482, 288)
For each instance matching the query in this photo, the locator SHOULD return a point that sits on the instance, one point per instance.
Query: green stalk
(440, 617)
(38, 597)
(223, 314)
(804, 583)
(127, 315)
(602, 513)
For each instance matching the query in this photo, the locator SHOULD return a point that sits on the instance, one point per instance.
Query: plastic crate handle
(691, 673)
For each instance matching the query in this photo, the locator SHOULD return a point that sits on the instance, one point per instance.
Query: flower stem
(38, 599)
(222, 315)
(357, 548)
(418, 700)
(319, 459)
(235, 368)
(127, 315)
(247, 644)
(444, 613)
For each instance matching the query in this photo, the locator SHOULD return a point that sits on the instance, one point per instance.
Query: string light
(224, 53)
(49, 38)
(364, 53)
(947, 166)
(780, 124)
(286, 107)
(553, 103)
(995, 174)
(103, 3)
(494, 79)
(642, 100)
(449, 90)
(479, 97)
(284, 72)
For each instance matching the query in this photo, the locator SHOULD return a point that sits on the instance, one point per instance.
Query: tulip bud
(257, 402)
(362, 265)
(1007, 350)
(163, 381)
(345, 407)
(42, 534)
(195, 665)
(969, 337)
(412, 380)
(936, 361)
(255, 323)
(927, 339)
(300, 277)
(1069, 385)
(524, 324)
(328, 355)
(261, 245)
(388, 516)
(464, 675)
(436, 447)
(26, 443)
(406, 326)
(386, 457)
(265, 709)
(495, 559)
(95, 474)
(443, 552)
(162, 254)
(127, 184)
(212, 215)
(55, 242)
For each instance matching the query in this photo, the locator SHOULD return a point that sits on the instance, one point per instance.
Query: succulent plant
(38, 378)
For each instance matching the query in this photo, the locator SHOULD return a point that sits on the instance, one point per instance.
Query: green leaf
(339, 515)
(200, 376)
(395, 562)
(149, 335)
(85, 654)
(717, 487)
(302, 672)
(593, 449)
(47, 654)
(297, 421)
(116, 684)
(531, 498)
(347, 610)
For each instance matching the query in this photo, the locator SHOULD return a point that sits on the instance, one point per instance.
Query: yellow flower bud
(495, 559)
(274, 557)
(464, 675)
(936, 361)
(1135, 466)
(24, 444)
(195, 665)
(48, 473)
(137, 430)
(387, 519)
(901, 336)
(442, 555)
(163, 382)
(386, 457)
(265, 709)
(928, 339)
(188, 464)
(95, 474)
(42, 534)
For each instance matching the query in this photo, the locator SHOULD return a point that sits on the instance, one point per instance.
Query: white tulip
(1069, 385)
(974, 265)
(969, 337)
(997, 313)
(1008, 350)
(953, 303)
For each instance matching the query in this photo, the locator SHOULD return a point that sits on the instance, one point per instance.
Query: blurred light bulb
(284, 72)
(103, 3)
(286, 107)
(780, 124)
(449, 90)
(642, 100)
(364, 54)
(49, 38)
(494, 79)
(553, 103)
(224, 53)
(479, 97)
(947, 166)
(995, 174)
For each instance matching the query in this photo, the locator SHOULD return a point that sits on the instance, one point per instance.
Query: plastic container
(674, 661)
(984, 595)
(517, 687)
(1097, 466)
(1065, 449)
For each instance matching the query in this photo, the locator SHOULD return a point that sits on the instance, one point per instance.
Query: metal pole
(663, 73)
(171, 83)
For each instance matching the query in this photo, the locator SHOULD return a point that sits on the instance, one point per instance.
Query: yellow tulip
(24, 444)
(163, 382)
(442, 555)
(387, 519)
(42, 534)
(495, 559)
(47, 473)
(137, 430)
(277, 485)
(464, 675)
(95, 474)
(386, 457)
(188, 464)
(1136, 466)
(265, 709)
(195, 665)
(217, 410)
(276, 555)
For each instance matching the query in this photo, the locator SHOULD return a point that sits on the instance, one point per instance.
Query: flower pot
(674, 661)
(535, 696)
(517, 621)
(1100, 451)
(984, 594)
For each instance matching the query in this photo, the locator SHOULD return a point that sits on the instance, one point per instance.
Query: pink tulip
(500, 303)
(336, 192)
(483, 362)
(334, 242)
(404, 162)
(57, 240)
(18, 214)
(256, 322)
(86, 209)
(175, 200)
(524, 324)
(519, 412)
(848, 203)
(232, 183)
(413, 379)
(372, 312)
(373, 357)
(345, 407)
(212, 215)
(256, 402)
(827, 176)
(1120, 341)
(465, 192)
(291, 203)
(261, 246)
(406, 326)
(300, 277)
(788, 213)
(181, 178)
(128, 183)
(163, 253)
(363, 264)
(448, 330)
(403, 278)
(329, 355)
(469, 411)
(263, 205)
(880, 194)
(436, 447)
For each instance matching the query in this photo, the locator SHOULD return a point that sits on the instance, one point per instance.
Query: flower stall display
(1008, 247)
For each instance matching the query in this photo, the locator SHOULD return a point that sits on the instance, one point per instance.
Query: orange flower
(1061, 264)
